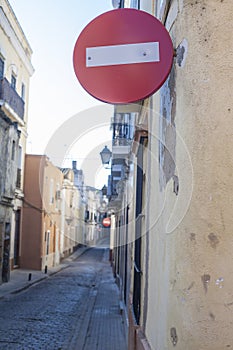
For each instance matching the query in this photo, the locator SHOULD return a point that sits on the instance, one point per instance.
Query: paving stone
(75, 307)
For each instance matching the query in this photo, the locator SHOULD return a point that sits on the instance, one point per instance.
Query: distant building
(78, 176)
(92, 204)
(53, 214)
(72, 214)
(41, 226)
(15, 72)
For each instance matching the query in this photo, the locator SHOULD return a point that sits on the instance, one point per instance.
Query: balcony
(10, 98)
(122, 138)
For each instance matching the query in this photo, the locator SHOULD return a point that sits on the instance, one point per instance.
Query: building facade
(175, 266)
(92, 204)
(9, 139)
(15, 72)
(72, 214)
(41, 224)
(53, 223)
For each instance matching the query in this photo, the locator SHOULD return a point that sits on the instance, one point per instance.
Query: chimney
(74, 164)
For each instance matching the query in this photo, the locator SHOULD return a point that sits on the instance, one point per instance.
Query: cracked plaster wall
(8, 135)
(191, 270)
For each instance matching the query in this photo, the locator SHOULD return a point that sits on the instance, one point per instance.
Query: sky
(55, 95)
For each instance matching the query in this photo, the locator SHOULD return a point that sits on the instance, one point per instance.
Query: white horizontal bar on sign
(122, 54)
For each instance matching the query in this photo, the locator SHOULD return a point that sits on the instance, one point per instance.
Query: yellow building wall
(190, 251)
(51, 183)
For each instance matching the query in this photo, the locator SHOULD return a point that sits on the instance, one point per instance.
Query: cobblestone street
(76, 308)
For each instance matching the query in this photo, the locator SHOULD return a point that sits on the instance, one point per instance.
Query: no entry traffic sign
(123, 56)
(106, 222)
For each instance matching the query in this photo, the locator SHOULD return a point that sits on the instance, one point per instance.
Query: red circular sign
(106, 222)
(123, 56)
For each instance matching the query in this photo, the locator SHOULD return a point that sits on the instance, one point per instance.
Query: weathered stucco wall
(9, 139)
(16, 53)
(191, 270)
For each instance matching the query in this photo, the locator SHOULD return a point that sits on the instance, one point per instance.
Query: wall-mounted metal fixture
(104, 190)
(105, 155)
(173, 335)
(175, 184)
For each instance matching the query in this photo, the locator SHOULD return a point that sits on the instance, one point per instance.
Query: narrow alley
(76, 308)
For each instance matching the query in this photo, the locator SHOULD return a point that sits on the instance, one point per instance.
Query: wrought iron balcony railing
(122, 134)
(10, 96)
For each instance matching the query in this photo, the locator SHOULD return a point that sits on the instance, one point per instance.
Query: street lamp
(104, 190)
(105, 155)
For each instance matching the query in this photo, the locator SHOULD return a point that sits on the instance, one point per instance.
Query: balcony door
(17, 238)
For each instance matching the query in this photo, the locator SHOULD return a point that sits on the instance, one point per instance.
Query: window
(13, 151)
(13, 81)
(19, 168)
(47, 243)
(1, 68)
(51, 191)
(23, 91)
(20, 157)
(87, 215)
(58, 196)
